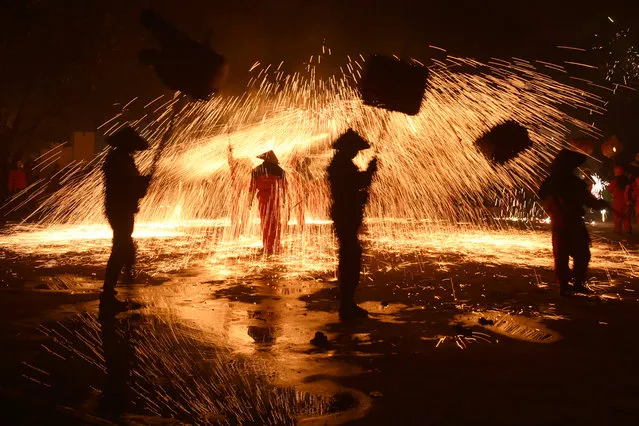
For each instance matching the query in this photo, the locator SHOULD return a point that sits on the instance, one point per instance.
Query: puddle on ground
(384, 311)
(514, 326)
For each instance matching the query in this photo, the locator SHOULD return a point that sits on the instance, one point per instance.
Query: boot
(128, 276)
(581, 288)
(565, 289)
(110, 306)
(350, 311)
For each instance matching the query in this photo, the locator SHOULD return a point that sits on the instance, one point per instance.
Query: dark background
(71, 64)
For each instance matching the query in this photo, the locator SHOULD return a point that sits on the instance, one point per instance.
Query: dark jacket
(564, 196)
(124, 186)
(349, 190)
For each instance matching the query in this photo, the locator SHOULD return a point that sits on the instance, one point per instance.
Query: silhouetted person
(349, 190)
(17, 178)
(621, 190)
(269, 180)
(564, 196)
(124, 187)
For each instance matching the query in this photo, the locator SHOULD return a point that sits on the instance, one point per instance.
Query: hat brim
(351, 140)
(129, 139)
(269, 156)
(568, 160)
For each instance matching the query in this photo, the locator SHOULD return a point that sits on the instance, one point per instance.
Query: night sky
(73, 63)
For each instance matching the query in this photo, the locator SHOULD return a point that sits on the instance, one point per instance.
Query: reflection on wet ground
(206, 348)
(152, 366)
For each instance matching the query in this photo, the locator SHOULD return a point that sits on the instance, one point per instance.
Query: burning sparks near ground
(430, 170)
(172, 247)
(434, 193)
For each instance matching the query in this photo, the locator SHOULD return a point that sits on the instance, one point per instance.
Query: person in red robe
(269, 181)
(17, 179)
(620, 189)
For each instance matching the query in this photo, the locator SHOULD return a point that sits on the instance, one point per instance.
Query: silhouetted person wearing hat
(564, 196)
(269, 181)
(124, 187)
(349, 190)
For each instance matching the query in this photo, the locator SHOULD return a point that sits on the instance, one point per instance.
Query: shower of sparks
(430, 170)
(598, 187)
(432, 200)
(171, 247)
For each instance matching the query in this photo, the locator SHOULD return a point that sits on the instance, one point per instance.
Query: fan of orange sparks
(429, 165)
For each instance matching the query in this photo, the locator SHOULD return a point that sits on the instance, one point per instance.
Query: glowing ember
(621, 55)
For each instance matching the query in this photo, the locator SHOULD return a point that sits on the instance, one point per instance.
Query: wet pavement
(450, 340)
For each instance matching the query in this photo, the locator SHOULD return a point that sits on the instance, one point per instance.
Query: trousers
(571, 242)
(349, 260)
(270, 219)
(622, 219)
(122, 251)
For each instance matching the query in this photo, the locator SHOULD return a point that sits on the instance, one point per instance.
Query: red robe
(269, 181)
(17, 180)
(620, 190)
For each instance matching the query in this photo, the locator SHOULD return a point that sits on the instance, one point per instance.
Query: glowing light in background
(598, 187)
